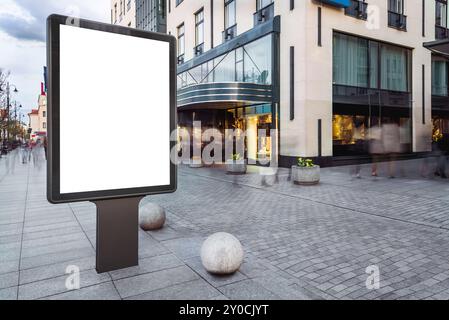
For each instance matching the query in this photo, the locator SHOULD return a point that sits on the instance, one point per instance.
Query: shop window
(347, 130)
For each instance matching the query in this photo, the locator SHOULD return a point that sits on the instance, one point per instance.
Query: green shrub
(236, 157)
(305, 163)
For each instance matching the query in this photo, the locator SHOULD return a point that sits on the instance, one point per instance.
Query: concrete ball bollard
(222, 254)
(151, 217)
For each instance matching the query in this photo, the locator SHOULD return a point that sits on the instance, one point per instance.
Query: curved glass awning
(225, 93)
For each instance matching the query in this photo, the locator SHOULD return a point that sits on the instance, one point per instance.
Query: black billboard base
(117, 234)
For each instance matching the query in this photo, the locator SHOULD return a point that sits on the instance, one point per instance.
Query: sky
(22, 39)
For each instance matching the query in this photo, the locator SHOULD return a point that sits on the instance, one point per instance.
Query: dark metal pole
(117, 233)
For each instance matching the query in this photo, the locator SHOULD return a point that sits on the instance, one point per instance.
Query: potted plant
(236, 165)
(305, 172)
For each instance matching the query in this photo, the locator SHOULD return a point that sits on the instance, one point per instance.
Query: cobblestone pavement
(300, 242)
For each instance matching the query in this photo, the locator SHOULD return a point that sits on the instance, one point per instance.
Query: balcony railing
(441, 33)
(358, 9)
(199, 49)
(264, 14)
(181, 59)
(230, 33)
(397, 20)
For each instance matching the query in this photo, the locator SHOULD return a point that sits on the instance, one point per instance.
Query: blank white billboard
(114, 111)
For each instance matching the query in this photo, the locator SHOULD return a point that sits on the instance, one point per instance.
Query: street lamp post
(8, 92)
(16, 107)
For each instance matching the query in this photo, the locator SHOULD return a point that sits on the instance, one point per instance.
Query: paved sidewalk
(300, 242)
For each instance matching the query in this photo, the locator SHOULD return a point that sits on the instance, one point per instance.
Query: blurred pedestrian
(359, 144)
(24, 150)
(375, 148)
(439, 152)
(391, 145)
(45, 144)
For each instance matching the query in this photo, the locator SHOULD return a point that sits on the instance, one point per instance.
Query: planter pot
(306, 176)
(196, 163)
(236, 166)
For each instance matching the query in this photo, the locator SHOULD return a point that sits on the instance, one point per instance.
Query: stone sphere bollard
(222, 253)
(151, 217)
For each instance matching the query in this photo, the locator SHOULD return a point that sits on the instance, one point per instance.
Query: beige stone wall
(125, 17)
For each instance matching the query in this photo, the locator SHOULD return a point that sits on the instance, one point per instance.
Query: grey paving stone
(215, 280)
(148, 265)
(185, 248)
(103, 291)
(9, 280)
(134, 286)
(50, 233)
(192, 290)
(55, 270)
(55, 248)
(247, 290)
(48, 259)
(8, 293)
(53, 286)
(9, 266)
(166, 233)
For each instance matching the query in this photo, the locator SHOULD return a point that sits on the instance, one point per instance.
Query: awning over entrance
(222, 94)
(439, 47)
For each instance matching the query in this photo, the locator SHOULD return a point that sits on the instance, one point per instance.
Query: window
(115, 13)
(263, 3)
(358, 61)
(129, 5)
(440, 77)
(350, 61)
(178, 2)
(396, 6)
(44, 114)
(394, 68)
(250, 63)
(181, 40)
(396, 17)
(441, 13)
(199, 27)
(230, 13)
(357, 9)
(44, 125)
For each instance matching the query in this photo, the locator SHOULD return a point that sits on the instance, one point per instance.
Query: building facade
(123, 12)
(321, 73)
(149, 15)
(38, 117)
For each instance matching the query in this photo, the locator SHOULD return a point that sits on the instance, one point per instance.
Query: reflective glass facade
(151, 15)
(250, 63)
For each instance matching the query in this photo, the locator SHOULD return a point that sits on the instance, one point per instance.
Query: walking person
(391, 145)
(440, 153)
(375, 148)
(24, 149)
(359, 145)
(45, 144)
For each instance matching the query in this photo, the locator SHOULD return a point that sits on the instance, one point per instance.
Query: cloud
(22, 38)
(26, 19)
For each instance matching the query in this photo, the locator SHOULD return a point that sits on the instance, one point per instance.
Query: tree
(3, 114)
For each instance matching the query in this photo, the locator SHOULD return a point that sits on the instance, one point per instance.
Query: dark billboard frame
(53, 62)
